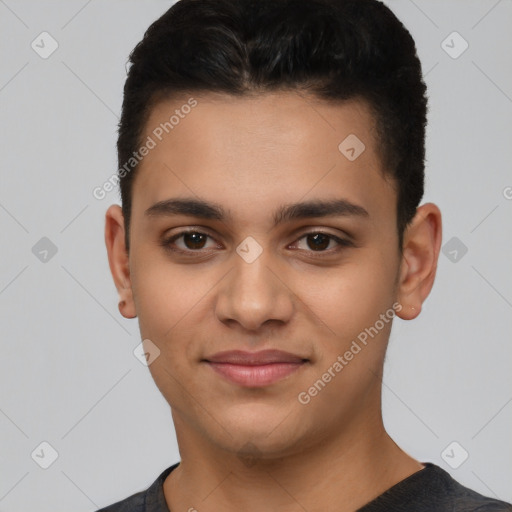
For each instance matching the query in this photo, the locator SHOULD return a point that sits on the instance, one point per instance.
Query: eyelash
(167, 243)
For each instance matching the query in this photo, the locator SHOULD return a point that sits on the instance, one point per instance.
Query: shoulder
(150, 500)
(467, 500)
(134, 503)
(462, 499)
(432, 489)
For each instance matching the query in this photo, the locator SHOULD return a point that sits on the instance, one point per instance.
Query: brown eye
(186, 241)
(194, 240)
(320, 242)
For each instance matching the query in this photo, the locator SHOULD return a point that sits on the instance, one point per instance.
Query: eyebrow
(286, 213)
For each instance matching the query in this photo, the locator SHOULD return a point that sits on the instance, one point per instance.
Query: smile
(255, 375)
(255, 369)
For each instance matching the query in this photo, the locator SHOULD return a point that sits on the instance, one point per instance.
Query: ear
(421, 246)
(118, 259)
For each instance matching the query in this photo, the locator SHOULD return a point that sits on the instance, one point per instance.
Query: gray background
(68, 375)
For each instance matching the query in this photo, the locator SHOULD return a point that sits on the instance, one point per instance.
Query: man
(271, 165)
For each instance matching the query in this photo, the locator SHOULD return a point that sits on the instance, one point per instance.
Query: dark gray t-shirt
(430, 489)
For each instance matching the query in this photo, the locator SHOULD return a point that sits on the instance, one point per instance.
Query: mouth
(255, 369)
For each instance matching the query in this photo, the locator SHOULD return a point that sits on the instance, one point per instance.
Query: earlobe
(421, 246)
(118, 259)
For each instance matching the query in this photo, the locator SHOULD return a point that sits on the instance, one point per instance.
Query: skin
(256, 449)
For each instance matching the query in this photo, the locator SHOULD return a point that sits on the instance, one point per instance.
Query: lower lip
(255, 376)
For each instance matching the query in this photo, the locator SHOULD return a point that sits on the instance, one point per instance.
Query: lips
(254, 358)
(255, 369)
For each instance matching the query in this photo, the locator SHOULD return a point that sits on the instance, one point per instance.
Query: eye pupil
(320, 241)
(197, 240)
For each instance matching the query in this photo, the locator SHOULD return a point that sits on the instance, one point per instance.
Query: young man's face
(247, 284)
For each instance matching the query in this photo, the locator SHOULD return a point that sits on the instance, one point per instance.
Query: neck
(348, 470)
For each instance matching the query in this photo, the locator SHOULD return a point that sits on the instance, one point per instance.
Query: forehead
(263, 148)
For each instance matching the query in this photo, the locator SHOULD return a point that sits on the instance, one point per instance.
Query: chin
(255, 431)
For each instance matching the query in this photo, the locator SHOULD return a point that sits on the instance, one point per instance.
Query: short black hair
(333, 49)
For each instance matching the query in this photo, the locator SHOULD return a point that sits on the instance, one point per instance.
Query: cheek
(166, 300)
(161, 298)
(163, 291)
(347, 298)
(172, 301)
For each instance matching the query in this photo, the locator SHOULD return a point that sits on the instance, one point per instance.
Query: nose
(254, 294)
